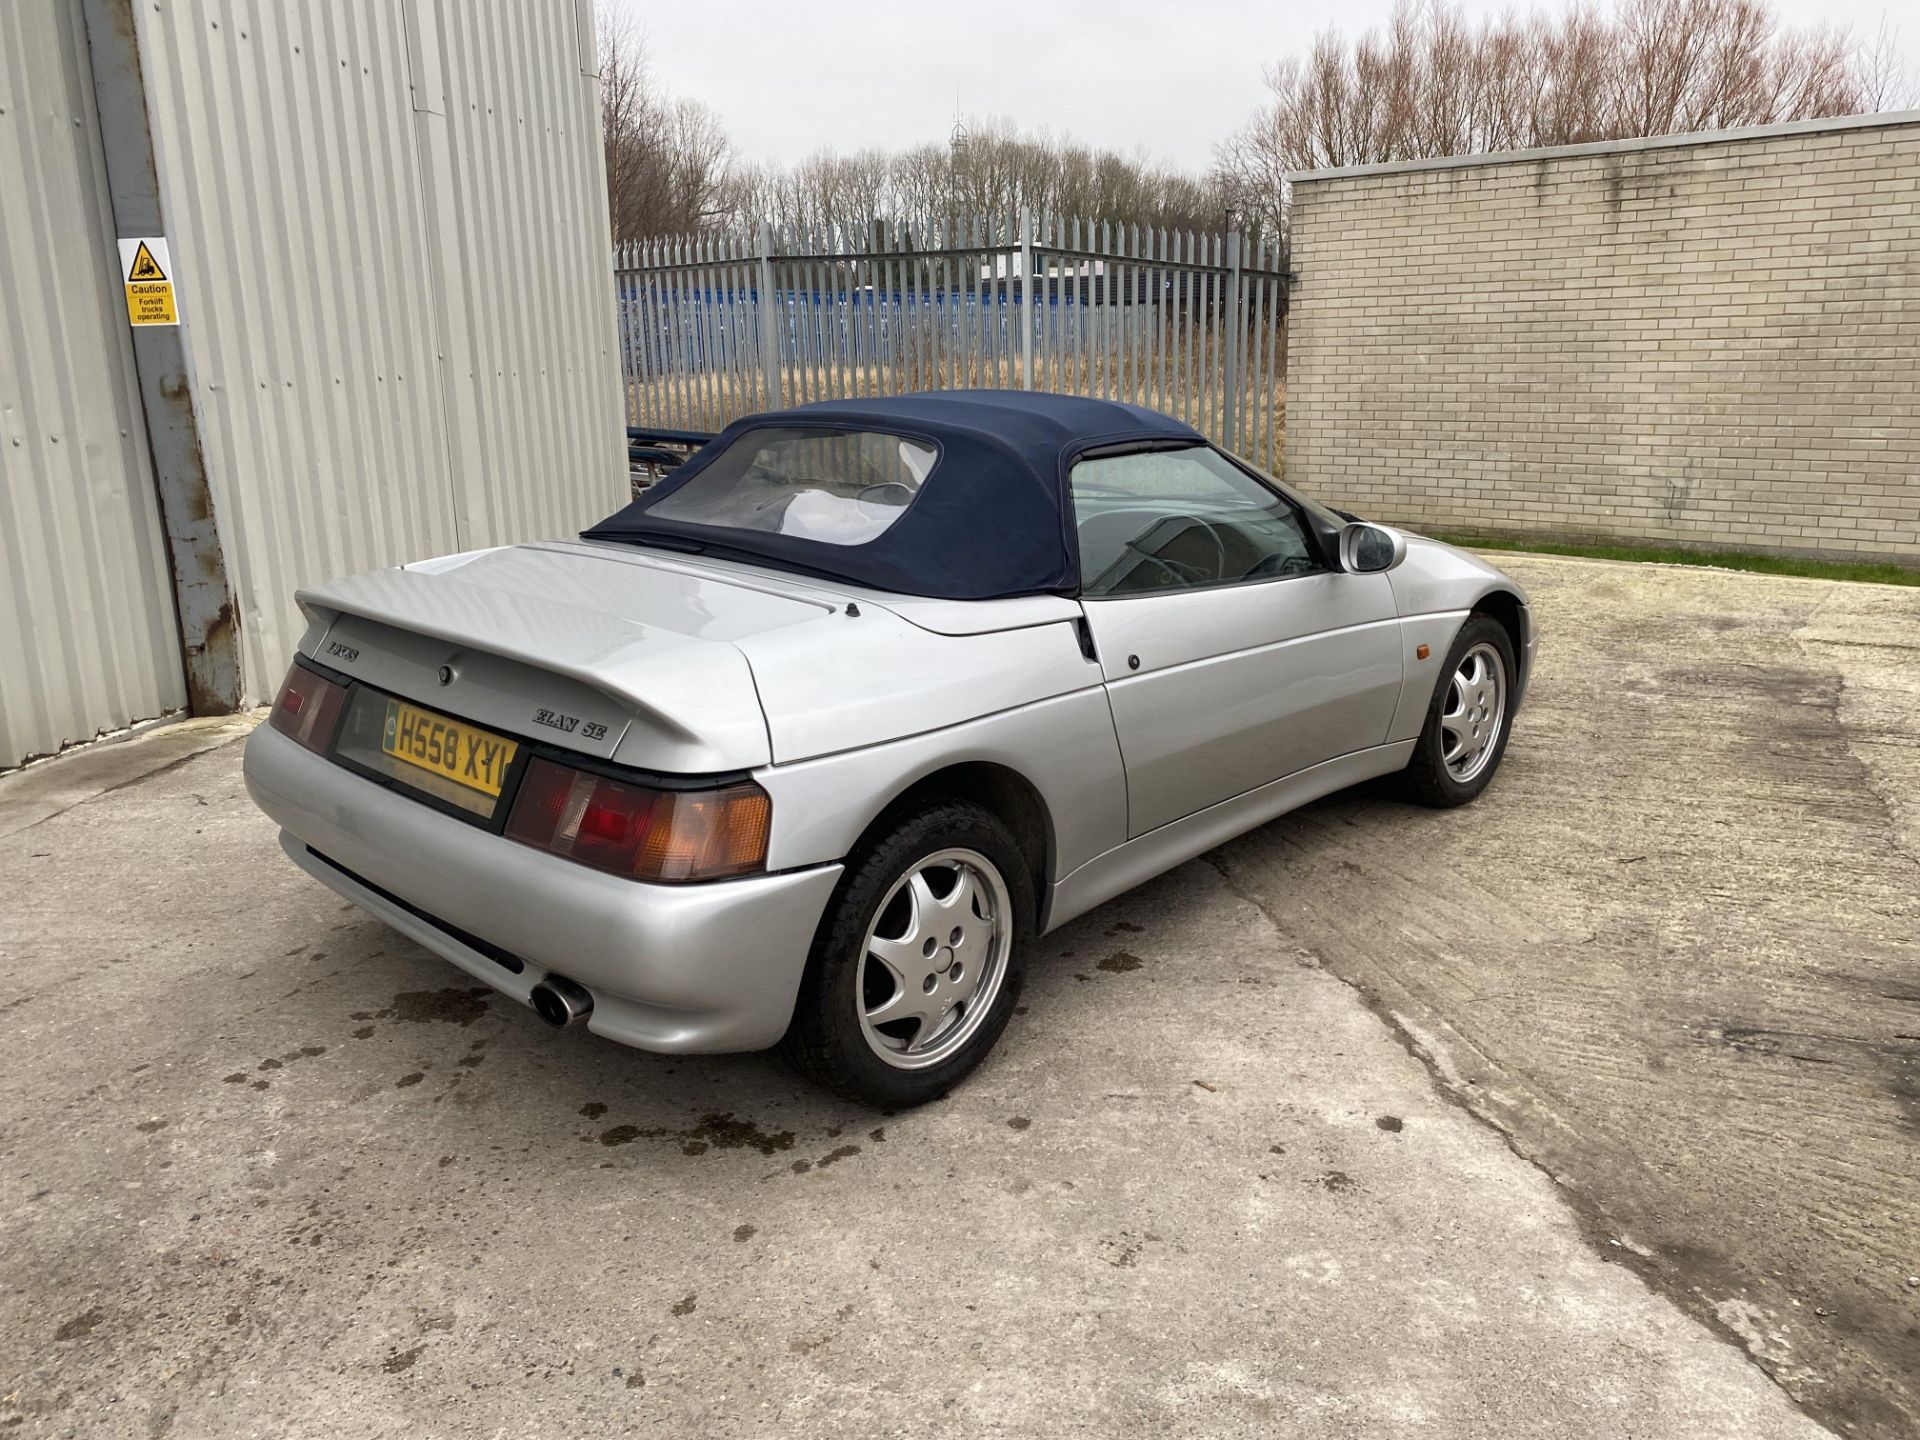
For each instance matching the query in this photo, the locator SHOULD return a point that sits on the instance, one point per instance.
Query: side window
(1181, 520)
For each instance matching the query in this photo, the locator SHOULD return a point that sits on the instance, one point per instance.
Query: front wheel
(1465, 734)
(917, 963)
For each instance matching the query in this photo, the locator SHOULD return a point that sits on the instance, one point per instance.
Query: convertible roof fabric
(993, 518)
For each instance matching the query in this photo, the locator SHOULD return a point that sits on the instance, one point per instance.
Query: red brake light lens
(649, 834)
(308, 708)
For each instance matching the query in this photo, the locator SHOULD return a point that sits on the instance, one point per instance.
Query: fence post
(1026, 298)
(769, 333)
(1236, 330)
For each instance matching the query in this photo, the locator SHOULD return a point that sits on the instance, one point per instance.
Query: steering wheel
(884, 492)
(1183, 575)
(1219, 547)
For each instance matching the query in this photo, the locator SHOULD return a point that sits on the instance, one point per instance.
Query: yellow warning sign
(146, 268)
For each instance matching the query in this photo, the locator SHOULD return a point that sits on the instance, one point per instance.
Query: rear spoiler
(693, 698)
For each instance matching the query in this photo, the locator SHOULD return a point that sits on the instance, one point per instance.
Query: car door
(1233, 656)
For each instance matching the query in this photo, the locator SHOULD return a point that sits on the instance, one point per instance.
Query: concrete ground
(266, 1168)
(1674, 952)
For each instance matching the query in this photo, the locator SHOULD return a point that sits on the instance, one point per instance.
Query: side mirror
(1367, 549)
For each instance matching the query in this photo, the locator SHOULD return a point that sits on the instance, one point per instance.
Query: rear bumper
(677, 968)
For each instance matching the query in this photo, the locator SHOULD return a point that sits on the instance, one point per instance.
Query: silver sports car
(807, 744)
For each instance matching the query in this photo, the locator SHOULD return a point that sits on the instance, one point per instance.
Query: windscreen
(835, 487)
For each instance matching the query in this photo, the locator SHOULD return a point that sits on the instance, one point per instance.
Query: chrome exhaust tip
(560, 1001)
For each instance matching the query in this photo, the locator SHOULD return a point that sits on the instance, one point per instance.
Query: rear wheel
(916, 966)
(1465, 734)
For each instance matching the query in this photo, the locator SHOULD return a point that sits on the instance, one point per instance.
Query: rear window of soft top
(836, 487)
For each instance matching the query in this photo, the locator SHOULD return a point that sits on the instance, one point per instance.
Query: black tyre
(1465, 734)
(916, 967)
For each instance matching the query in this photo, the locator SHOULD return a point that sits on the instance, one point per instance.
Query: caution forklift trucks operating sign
(146, 268)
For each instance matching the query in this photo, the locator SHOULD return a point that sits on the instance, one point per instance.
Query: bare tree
(988, 168)
(1887, 80)
(668, 161)
(1435, 83)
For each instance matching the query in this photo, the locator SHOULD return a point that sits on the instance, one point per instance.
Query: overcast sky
(1173, 77)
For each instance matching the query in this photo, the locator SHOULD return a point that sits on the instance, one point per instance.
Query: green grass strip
(1877, 573)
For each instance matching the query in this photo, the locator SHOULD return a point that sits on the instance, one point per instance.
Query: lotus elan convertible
(808, 743)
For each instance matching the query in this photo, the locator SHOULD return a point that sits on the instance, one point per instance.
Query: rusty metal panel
(388, 223)
(88, 641)
(202, 591)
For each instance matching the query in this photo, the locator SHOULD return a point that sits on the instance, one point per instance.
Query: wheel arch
(1509, 610)
(994, 787)
(1505, 607)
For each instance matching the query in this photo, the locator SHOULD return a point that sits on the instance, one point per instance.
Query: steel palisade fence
(715, 327)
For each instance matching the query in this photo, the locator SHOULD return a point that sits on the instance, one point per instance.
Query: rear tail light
(309, 708)
(635, 830)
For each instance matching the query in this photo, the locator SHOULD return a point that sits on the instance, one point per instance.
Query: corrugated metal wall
(388, 224)
(525, 244)
(87, 634)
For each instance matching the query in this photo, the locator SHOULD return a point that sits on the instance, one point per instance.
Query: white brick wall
(1712, 343)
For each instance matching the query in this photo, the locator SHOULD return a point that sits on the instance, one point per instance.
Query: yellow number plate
(477, 759)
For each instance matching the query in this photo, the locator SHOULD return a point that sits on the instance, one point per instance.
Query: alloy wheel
(934, 959)
(1475, 711)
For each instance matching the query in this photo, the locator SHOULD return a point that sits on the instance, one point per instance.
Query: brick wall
(1714, 342)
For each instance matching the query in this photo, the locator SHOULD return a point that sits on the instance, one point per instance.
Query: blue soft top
(992, 520)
